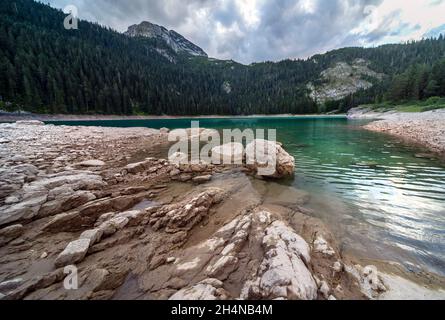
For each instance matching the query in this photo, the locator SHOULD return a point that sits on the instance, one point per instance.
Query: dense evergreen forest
(95, 70)
(418, 82)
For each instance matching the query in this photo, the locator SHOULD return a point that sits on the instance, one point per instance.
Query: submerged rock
(369, 279)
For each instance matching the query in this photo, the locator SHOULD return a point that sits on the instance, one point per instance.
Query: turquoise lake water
(380, 200)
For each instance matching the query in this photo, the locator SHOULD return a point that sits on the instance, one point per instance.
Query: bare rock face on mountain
(343, 79)
(173, 39)
(269, 159)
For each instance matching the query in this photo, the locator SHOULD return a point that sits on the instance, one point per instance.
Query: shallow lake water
(380, 200)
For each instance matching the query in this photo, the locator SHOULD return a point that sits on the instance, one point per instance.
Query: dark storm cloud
(248, 30)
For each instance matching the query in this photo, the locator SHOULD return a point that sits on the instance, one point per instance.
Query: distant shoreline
(11, 118)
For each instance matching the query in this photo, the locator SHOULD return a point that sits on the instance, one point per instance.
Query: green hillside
(95, 70)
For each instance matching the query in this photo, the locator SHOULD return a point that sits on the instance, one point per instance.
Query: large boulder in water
(269, 159)
(229, 153)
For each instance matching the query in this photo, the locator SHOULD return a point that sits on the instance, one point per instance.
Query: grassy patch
(409, 108)
(432, 103)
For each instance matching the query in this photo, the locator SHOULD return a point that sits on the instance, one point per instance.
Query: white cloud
(401, 20)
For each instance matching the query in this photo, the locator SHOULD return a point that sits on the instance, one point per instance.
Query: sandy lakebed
(137, 226)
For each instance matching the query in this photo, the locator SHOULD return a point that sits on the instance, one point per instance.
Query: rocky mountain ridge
(173, 39)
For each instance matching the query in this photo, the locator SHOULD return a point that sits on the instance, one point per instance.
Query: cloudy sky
(258, 30)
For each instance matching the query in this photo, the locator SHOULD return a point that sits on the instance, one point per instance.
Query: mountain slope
(98, 70)
(174, 40)
(436, 32)
(344, 79)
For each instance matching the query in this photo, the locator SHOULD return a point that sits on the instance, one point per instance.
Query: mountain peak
(176, 41)
(436, 32)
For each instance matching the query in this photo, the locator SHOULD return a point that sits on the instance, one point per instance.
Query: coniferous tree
(45, 68)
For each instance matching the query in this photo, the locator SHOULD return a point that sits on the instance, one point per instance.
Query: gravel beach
(146, 228)
(427, 128)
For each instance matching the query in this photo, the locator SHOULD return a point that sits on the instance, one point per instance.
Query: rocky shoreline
(139, 226)
(426, 128)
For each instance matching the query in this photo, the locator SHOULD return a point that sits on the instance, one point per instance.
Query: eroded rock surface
(141, 227)
(283, 273)
(269, 159)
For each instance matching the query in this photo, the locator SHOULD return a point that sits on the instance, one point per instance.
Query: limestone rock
(12, 200)
(10, 233)
(372, 279)
(134, 168)
(174, 172)
(10, 285)
(92, 163)
(322, 246)
(342, 80)
(204, 290)
(13, 178)
(230, 153)
(202, 179)
(25, 210)
(111, 226)
(51, 195)
(63, 222)
(94, 235)
(150, 165)
(369, 279)
(18, 158)
(77, 180)
(324, 289)
(171, 260)
(104, 217)
(66, 202)
(269, 159)
(283, 272)
(134, 217)
(178, 158)
(173, 39)
(338, 267)
(185, 177)
(30, 123)
(74, 252)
